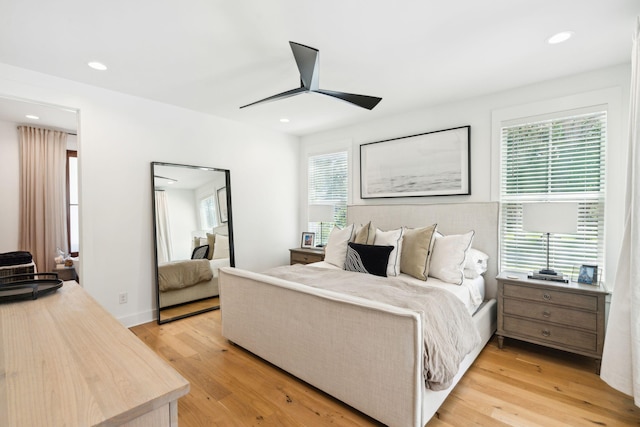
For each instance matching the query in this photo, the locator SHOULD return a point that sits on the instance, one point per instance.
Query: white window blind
(327, 185)
(208, 213)
(552, 160)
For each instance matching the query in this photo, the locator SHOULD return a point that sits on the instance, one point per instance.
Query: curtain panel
(43, 205)
(621, 355)
(162, 227)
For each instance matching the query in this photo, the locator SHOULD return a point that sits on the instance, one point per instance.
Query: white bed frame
(366, 354)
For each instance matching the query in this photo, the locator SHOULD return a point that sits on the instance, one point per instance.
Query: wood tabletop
(64, 360)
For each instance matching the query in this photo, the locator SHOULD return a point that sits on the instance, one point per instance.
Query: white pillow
(475, 264)
(449, 255)
(336, 250)
(391, 238)
(221, 247)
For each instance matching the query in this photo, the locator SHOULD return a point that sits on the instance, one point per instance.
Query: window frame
(71, 154)
(589, 202)
(313, 148)
(311, 226)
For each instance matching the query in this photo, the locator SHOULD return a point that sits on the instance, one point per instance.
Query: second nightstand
(305, 255)
(66, 273)
(566, 316)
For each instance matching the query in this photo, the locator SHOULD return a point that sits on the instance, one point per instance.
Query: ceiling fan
(308, 60)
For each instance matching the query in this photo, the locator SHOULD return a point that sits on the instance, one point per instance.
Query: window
(553, 159)
(208, 213)
(328, 181)
(73, 224)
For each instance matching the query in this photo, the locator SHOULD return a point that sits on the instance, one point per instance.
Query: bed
(195, 288)
(368, 354)
(185, 281)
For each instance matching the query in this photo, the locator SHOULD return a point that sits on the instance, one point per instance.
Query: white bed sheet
(471, 292)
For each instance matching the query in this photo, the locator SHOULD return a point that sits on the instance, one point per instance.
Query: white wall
(119, 136)
(477, 112)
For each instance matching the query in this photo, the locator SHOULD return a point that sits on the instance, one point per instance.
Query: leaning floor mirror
(193, 237)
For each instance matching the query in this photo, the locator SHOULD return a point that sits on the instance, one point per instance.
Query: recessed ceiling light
(32, 117)
(560, 37)
(284, 120)
(97, 65)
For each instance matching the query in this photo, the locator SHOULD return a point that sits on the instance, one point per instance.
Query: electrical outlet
(122, 298)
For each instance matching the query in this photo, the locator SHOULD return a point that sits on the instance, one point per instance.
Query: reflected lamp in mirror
(321, 214)
(548, 218)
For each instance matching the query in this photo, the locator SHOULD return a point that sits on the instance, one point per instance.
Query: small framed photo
(308, 239)
(588, 274)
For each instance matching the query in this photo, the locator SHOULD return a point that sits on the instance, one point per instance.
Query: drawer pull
(547, 297)
(546, 333)
(546, 314)
(306, 259)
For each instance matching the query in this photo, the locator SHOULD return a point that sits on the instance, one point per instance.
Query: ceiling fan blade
(364, 101)
(282, 95)
(308, 60)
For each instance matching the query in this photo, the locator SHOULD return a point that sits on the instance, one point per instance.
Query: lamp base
(552, 277)
(548, 272)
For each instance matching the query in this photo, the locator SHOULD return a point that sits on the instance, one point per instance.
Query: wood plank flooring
(521, 385)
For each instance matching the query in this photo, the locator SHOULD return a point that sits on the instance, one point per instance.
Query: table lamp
(321, 214)
(547, 218)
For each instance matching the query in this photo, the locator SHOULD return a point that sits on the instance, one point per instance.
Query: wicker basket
(10, 271)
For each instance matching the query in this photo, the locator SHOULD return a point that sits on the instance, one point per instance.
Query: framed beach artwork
(429, 164)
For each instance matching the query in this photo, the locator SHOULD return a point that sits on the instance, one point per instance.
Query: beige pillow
(221, 249)
(211, 240)
(365, 234)
(417, 245)
(199, 241)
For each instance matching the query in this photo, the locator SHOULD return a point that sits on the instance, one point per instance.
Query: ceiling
(213, 56)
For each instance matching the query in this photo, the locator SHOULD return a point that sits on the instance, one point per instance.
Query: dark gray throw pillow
(200, 252)
(370, 259)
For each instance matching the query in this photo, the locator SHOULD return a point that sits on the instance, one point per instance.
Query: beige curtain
(43, 206)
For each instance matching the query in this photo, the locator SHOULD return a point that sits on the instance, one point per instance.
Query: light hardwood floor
(521, 385)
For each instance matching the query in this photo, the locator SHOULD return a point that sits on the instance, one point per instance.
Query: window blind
(327, 184)
(553, 160)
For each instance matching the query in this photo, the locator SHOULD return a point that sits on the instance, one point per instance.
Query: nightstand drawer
(551, 313)
(569, 299)
(553, 334)
(301, 256)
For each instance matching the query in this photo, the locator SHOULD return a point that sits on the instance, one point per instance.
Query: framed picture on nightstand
(308, 239)
(588, 274)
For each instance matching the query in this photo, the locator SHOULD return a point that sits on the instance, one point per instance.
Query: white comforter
(449, 332)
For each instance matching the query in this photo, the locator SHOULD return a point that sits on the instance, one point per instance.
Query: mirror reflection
(193, 237)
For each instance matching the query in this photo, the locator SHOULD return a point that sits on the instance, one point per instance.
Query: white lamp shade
(557, 218)
(320, 213)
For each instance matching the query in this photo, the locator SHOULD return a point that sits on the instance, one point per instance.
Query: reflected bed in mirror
(193, 236)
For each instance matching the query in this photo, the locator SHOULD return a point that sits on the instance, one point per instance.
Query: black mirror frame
(155, 235)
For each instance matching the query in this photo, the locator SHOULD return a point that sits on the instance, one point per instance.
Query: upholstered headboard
(454, 218)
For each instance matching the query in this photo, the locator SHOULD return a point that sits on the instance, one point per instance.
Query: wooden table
(64, 360)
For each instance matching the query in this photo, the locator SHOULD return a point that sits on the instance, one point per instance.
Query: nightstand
(305, 255)
(65, 273)
(565, 316)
